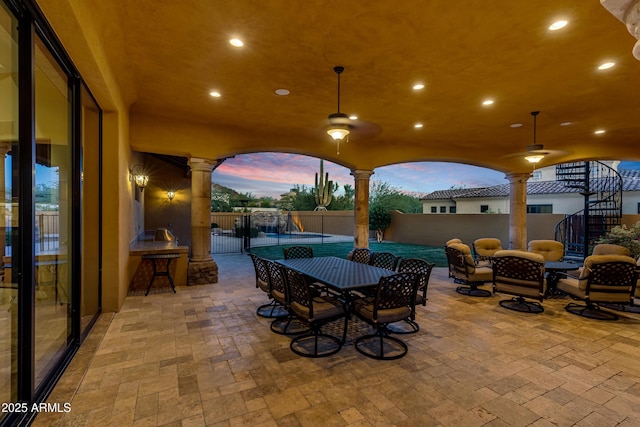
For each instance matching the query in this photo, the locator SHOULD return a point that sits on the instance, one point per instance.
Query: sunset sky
(273, 174)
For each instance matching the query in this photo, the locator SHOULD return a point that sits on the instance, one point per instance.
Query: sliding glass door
(53, 231)
(8, 206)
(50, 204)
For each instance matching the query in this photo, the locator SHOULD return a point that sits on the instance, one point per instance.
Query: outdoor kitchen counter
(142, 270)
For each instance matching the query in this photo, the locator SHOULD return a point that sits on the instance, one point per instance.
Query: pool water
(295, 236)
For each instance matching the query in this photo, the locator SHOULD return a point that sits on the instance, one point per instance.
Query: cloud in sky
(273, 174)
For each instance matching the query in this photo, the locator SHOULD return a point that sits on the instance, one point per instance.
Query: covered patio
(203, 357)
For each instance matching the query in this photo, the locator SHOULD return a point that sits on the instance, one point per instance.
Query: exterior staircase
(601, 187)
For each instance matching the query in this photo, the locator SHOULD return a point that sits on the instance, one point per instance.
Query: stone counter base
(202, 273)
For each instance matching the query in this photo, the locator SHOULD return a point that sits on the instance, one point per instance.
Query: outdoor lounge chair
(551, 250)
(485, 248)
(521, 274)
(604, 279)
(464, 270)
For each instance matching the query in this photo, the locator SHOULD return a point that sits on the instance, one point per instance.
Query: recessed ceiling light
(516, 125)
(558, 24)
(418, 86)
(215, 94)
(606, 65)
(353, 117)
(599, 132)
(566, 123)
(282, 92)
(236, 42)
(418, 125)
(487, 102)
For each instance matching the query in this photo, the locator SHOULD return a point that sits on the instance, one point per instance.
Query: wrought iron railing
(239, 232)
(601, 187)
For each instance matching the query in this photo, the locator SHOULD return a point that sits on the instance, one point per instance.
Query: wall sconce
(171, 194)
(139, 177)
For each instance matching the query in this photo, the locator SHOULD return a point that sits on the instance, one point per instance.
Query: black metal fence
(239, 232)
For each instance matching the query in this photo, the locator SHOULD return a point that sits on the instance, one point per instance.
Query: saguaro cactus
(323, 190)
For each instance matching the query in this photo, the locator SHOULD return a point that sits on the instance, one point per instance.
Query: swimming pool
(295, 236)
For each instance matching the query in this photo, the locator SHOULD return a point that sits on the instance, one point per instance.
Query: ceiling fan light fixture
(338, 132)
(534, 158)
(340, 126)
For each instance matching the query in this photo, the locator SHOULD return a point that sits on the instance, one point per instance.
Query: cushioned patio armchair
(521, 274)
(604, 279)
(551, 250)
(485, 248)
(464, 270)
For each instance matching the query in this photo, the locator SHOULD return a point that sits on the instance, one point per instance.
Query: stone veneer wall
(202, 273)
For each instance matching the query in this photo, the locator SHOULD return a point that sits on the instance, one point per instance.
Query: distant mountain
(217, 188)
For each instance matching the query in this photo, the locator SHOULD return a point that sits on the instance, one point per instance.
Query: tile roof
(630, 182)
(449, 194)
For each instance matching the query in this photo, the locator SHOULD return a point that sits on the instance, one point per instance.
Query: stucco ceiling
(170, 55)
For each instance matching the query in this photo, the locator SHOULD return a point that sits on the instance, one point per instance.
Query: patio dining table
(338, 274)
(555, 268)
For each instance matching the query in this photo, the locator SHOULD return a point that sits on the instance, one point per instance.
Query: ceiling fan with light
(341, 126)
(535, 152)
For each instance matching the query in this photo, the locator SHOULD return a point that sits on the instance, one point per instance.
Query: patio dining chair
(315, 311)
(449, 242)
(463, 269)
(287, 325)
(422, 268)
(273, 309)
(298, 252)
(361, 255)
(385, 260)
(394, 301)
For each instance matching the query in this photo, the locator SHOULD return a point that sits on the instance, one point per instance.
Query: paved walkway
(202, 357)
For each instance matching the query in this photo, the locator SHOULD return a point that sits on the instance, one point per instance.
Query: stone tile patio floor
(202, 357)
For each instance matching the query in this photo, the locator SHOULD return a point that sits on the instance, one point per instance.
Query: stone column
(361, 208)
(518, 210)
(202, 268)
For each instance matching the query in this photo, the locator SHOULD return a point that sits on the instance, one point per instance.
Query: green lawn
(430, 253)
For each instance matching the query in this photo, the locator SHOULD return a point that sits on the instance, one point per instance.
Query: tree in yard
(303, 200)
(379, 220)
(343, 202)
(383, 198)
